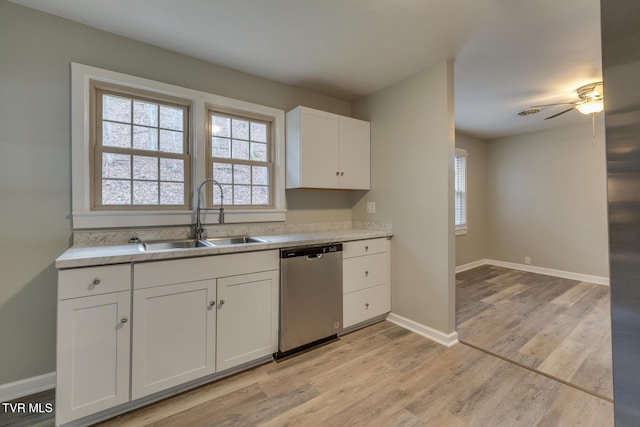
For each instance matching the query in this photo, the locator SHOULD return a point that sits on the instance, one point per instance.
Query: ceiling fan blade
(551, 105)
(560, 113)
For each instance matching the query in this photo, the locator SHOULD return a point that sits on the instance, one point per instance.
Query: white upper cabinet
(325, 150)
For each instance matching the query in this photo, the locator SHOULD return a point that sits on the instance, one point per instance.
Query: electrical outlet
(527, 260)
(371, 207)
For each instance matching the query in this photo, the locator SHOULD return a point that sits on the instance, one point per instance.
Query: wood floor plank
(558, 326)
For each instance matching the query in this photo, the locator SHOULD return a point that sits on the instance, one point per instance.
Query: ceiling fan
(591, 102)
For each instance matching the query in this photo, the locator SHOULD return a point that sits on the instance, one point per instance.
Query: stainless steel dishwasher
(310, 297)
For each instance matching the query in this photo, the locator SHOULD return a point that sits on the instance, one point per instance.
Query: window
(140, 150)
(239, 158)
(460, 167)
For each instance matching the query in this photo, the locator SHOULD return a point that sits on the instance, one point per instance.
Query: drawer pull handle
(212, 303)
(96, 281)
(124, 320)
(366, 273)
(366, 248)
(366, 306)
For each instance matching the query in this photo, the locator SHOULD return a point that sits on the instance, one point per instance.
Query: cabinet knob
(221, 302)
(366, 273)
(212, 303)
(337, 173)
(366, 248)
(124, 320)
(366, 306)
(96, 281)
(341, 173)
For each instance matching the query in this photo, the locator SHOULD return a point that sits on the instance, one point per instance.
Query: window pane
(260, 175)
(171, 170)
(116, 108)
(222, 173)
(259, 132)
(116, 135)
(171, 142)
(145, 193)
(239, 129)
(221, 147)
(116, 166)
(171, 193)
(145, 138)
(145, 167)
(171, 118)
(259, 152)
(260, 195)
(145, 113)
(241, 195)
(240, 150)
(241, 174)
(116, 192)
(221, 126)
(228, 192)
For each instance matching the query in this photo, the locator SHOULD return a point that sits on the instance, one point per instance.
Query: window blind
(461, 188)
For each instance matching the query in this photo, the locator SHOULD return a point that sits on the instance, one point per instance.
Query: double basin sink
(163, 245)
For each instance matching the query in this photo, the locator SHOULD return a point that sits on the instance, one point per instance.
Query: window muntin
(140, 149)
(239, 158)
(460, 168)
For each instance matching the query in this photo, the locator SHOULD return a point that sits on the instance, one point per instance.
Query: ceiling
(509, 54)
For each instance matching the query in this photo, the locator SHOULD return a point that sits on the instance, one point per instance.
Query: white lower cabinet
(247, 318)
(198, 316)
(93, 340)
(366, 280)
(174, 335)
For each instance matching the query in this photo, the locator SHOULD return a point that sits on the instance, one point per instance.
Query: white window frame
(85, 218)
(463, 228)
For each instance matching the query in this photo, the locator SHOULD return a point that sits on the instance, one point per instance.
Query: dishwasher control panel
(310, 250)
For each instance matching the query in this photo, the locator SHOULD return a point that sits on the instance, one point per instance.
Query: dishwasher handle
(314, 256)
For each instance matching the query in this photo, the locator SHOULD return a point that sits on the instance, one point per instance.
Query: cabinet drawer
(80, 282)
(364, 272)
(366, 304)
(365, 247)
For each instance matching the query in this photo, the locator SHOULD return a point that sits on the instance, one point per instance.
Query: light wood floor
(381, 376)
(557, 326)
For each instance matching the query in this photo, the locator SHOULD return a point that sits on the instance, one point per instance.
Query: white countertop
(84, 256)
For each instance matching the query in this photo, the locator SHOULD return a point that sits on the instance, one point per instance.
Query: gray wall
(412, 147)
(541, 195)
(472, 246)
(546, 199)
(35, 180)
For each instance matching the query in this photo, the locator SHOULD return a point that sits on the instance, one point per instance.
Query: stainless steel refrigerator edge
(620, 24)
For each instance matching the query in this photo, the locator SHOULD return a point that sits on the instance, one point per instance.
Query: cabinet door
(247, 318)
(319, 149)
(92, 354)
(173, 335)
(355, 143)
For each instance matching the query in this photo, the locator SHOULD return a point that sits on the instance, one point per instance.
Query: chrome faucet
(198, 230)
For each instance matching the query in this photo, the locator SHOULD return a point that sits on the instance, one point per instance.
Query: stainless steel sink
(163, 245)
(235, 240)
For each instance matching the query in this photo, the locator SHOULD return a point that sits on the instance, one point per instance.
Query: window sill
(119, 219)
(461, 231)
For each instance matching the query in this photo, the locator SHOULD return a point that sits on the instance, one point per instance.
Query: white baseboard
(27, 386)
(469, 266)
(598, 280)
(427, 332)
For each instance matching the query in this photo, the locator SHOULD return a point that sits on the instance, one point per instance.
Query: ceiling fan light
(590, 107)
